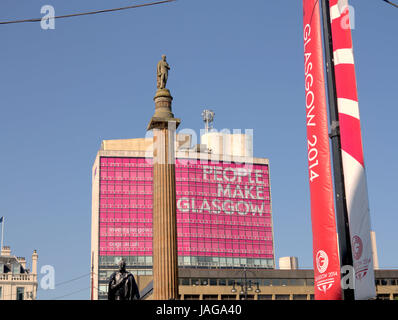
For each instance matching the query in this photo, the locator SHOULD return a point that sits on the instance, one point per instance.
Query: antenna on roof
(208, 118)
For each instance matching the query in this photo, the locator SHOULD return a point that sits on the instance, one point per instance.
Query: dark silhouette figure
(122, 285)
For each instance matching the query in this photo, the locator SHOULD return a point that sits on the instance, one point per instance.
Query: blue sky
(62, 91)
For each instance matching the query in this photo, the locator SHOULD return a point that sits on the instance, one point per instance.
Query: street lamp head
(250, 286)
(233, 290)
(258, 288)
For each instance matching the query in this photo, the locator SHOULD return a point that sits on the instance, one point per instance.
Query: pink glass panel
(223, 209)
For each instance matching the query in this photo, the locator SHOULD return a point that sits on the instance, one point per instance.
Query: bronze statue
(162, 73)
(122, 285)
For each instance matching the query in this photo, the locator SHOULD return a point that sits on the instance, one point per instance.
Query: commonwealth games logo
(357, 247)
(324, 281)
(322, 261)
(361, 267)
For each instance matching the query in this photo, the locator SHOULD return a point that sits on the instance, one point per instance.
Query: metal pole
(92, 275)
(245, 284)
(345, 249)
(2, 235)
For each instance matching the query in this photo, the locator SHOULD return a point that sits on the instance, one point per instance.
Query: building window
(383, 296)
(195, 282)
(103, 289)
(282, 297)
(284, 282)
(222, 282)
(20, 293)
(297, 282)
(276, 282)
(246, 297)
(102, 275)
(210, 297)
(267, 282)
(382, 282)
(1, 293)
(391, 282)
(213, 282)
(191, 297)
(299, 297)
(264, 297)
(228, 297)
(16, 268)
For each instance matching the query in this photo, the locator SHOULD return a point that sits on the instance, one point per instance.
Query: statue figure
(162, 73)
(122, 285)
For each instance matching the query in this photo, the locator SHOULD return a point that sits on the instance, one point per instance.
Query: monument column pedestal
(165, 261)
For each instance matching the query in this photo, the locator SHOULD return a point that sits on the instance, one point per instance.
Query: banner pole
(345, 249)
(2, 235)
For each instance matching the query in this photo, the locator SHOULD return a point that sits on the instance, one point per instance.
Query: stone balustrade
(18, 277)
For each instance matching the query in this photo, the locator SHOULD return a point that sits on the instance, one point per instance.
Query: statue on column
(162, 73)
(122, 285)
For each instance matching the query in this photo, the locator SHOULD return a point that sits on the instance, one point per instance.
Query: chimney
(22, 261)
(35, 256)
(6, 251)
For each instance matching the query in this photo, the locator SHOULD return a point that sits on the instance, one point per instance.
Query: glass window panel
(276, 282)
(16, 268)
(213, 282)
(265, 297)
(20, 293)
(297, 282)
(299, 297)
(284, 282)
(195, 282)
(228, 297)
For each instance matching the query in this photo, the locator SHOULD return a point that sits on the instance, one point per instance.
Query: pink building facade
(224, 217)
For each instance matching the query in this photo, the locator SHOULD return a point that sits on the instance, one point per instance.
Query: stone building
(17, 282)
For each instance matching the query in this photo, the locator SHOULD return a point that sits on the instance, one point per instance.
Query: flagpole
(343, 229)
(2, 235)
(92, 275)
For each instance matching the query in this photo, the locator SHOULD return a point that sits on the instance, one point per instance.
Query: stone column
(165, 262)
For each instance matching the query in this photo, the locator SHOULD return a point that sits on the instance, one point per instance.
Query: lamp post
(246, 286)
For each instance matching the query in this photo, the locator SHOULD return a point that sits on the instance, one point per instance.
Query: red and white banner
(325, 248)
(352, 151)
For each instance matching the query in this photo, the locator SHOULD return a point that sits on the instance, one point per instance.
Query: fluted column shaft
(165, 263)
